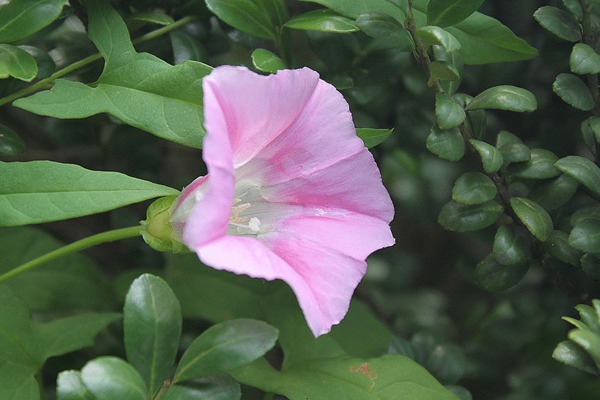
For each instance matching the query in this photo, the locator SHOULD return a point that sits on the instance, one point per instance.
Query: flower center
(244, 220)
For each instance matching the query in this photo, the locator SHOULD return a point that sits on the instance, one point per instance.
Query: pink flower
(291, 191)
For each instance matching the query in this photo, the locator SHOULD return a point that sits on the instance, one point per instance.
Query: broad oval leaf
(225, 346)
(372, 136)
(41, 191)
(585, 236)
(582, 170)
(584, 60)
(17, 63)
(555, 193)
(559, 22)
(384, 27)
(152, 326)
(267, 61)
(491, 158)
(322, 21)
(434, 35)
(446, 144)
(219, 387)
(504, 97)
(558, 247)
(533, 216)
(590, 264)
(573, 91)
(69, 386)
(473, 188)
(10, 143)
(22, 18)
(495, 277)
(541, 165)
(442, 71)
(510, 246)
(353, 9)
(110, 378)
(444, 13)
(244, 15)
(462, 218)
(448, 113)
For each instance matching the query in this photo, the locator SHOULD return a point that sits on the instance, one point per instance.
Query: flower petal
(255, 109)
(323, 280)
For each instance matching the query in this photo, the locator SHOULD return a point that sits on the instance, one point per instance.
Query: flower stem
(104, 237)
(44, 83)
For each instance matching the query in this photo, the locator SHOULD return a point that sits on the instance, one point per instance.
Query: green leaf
(10, 143)
(491, 158)
(434, 35)
(18, 382)
(559, 22)
(590, 130)
(41, 191)
(110, 378)
(449, 113)
(590, 264)
(323, 21)
(384, 27)
(17, 63)
(72, 282)
(267, 61)
(510, 246)
(138, 88)
(152, 326)
(504, 97)
(244, 15)
(574, 7)
(573, 91)
(558, 246)
(584, 60)
(186, 47)
(220, 387)
(582, 170)
(589, 341)
(585, 236)
(555, 193)
(473, 188)
(444, 12)
(541, 165)
(533, 216)
(22, 18)
(69, 386)
(572, 355)
(388, 377)
(492, 276)
(443, 71)
(446, 144)
(462, 218)
(154, 17)
(353, 9)
(224, 347)
(512, 148)
(372, 136)
(452, 61)
(589, 315)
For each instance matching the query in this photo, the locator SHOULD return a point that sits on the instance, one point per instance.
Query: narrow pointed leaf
(559, 22)
(152, 325)
(582, 170)
(22, 18)
(224, 347)
(444, 13)
(533, 216)
(491, 158)
(372, 137)
(323, 21)
(41, 191)
(110, 378)
(504, 97)
(244, 15)
(573, 91)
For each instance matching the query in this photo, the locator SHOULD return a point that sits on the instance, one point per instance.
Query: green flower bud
(158, 232)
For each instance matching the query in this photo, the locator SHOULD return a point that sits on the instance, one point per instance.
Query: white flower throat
(248, 205)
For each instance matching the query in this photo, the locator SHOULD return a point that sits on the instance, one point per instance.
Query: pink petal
(323, 280)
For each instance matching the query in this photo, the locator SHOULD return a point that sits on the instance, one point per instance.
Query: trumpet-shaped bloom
(291, 192)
